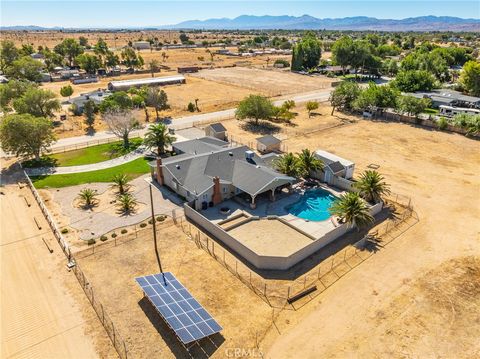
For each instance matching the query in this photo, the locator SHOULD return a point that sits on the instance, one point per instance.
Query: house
(125, 85)
(141, 45)
(268, 143)
(206, 172)
(96, 96)
(334, 166)
(446, 97)
(216, 130)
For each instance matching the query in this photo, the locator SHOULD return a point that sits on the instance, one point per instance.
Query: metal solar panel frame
(170, 279)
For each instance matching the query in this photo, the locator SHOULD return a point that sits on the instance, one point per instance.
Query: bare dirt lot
(275, 83)
(398, 295)
(237, 309)
(44, 312)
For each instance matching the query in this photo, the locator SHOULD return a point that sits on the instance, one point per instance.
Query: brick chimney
(159, 171)
(216, 196)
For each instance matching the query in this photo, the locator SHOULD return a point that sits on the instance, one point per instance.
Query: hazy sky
(122, 13)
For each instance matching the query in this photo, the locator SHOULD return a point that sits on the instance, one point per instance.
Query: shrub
(284, 62)
(442, 123)
(123, 231)
(114, 235)
(143, 225)
(191, 107)
(160, 218)
(103, 238)
(91, 241)
(64, 230)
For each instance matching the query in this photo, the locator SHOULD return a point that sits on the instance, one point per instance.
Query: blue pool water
(313, 205)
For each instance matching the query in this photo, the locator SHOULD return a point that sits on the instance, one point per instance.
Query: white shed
(335, 163)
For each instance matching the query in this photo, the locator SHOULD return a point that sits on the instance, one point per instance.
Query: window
(224, 189)
(204, 196)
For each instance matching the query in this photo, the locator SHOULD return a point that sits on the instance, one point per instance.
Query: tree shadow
(90, 131)
(44, 161)
(204, 348)
(262, 128)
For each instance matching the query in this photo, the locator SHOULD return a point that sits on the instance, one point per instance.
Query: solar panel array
(181, 311)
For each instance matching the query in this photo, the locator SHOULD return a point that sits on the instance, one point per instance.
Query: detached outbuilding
(334, 166)
(268, 144)
(216, 130)
(125, 85)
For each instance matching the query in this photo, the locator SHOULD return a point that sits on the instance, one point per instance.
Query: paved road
(188, 121)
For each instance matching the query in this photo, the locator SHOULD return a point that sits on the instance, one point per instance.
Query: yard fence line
(91, 143)
(323, 275)
(118, 342)
(125, 234)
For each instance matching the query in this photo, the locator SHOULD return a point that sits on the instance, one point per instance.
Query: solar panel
(188, 319)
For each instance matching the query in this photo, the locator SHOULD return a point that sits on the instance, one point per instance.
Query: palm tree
(158, 136)
(89, 197)
(309, 163)
(351, 208)
(372, 186)
(126, 203)
(288, 164)
(120, 181)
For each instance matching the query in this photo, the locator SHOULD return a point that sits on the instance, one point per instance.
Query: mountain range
(307, 22)
(304, 22)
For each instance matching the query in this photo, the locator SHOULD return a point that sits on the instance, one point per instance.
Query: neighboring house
(216, 130)
(206, 174)
(445, 97)
(141, 45)
(125, 85)
(334, 166)
(268, 144)
(96, 96)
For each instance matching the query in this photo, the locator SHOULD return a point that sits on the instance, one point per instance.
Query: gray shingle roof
(196, 172)
(268, 140)
(199, 145)
(218, 127)
(336, 167)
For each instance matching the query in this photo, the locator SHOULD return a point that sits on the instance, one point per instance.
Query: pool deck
(267, 208)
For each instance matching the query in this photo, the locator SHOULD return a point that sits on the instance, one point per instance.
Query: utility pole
(155, 235)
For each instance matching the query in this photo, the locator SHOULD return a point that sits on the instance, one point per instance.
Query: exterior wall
(269, 262)
(270, 148)
(220, 135)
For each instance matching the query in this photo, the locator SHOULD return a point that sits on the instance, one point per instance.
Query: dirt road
(44, 313)
(420, 295)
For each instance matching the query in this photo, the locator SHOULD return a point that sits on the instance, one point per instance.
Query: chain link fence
(279, 292)
(107, 323)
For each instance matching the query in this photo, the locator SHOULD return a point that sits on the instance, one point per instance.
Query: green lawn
(132, 169)
(87, 155)
(431, 111)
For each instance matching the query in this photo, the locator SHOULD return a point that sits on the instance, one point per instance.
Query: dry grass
(112, 272)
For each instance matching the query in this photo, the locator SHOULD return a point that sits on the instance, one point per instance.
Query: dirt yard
(237, 309)
(272, 82)
(44, 311)
(418, 296)
(320, 120)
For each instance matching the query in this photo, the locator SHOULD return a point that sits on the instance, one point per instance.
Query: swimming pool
(313, 205)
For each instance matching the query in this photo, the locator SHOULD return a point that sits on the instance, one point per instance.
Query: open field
(402, 298)
(275, 83)
(45, 313)
(237, 309)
